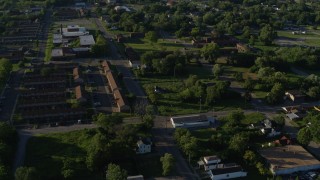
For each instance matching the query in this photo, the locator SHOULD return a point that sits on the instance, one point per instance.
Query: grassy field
(253, 118)
(47, 153)
(309, 39)
(144, 45)
(49, 47)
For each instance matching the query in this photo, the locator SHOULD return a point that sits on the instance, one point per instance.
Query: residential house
(227, 171)
(144, 146)
(87, 41)
(190, 121)
(209, 162)
(289, 159)
(73, 31)
(63, 53)
(122, 105)
(57, 39)
(119, 99)
(242, 48)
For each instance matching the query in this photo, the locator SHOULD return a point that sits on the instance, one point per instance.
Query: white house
(74, 31)
(228, 171)
(270, 132)
(190, 121)
(144, 146)
(209, 162)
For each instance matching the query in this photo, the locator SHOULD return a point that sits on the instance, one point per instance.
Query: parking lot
(101, 96)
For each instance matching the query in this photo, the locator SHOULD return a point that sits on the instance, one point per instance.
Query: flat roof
(190, 118)
(225, 170)
(87, 40)
(290, 156)
(211, 158)
(137, 177)
(57, 52)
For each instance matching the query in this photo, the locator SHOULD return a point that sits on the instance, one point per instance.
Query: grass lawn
(48, 47)
(47, 152)
(203, 134)
(143, 45)
(253, 118)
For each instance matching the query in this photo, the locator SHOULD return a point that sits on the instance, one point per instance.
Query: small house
(227, 171)
(209, 162)
(144, 146)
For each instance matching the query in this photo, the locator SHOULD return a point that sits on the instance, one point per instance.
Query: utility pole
(200, 104)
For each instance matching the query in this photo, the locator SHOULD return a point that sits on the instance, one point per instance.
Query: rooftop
(290, 156)
(226, 168)
(57, 52)
(190, 118)
(87, 40)
(211, 158)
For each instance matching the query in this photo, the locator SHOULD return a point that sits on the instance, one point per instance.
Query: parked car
(97, 104)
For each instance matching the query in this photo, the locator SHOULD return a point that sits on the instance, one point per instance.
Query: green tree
(239, 143)
(152, 36)
(217, 70)
(267, 34)
(246, 32)
(276, 94)
(235, 118)
(195, 32)
(250, 157)
(304, 136)
(5, 66)
(108, 122)
(148, 121)
(314, 92)
(114, 172)
(167, 163)
(209, 18)
(4, 173)
(249, 84)
(262, 170)
(8, 134)
(210, 52)
(100, 47)
(26, 173)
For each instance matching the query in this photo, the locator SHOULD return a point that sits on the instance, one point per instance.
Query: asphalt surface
(9, 96)
(44, 35)
(164, 143)
(102, 95)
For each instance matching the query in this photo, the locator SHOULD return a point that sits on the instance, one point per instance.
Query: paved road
(164, 143)
(102, 94)
(44, 35)
(10, 96)
(129, 80)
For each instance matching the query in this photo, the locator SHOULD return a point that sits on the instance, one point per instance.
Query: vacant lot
(303, 38)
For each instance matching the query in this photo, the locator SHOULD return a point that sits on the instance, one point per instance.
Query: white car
(97, 104)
